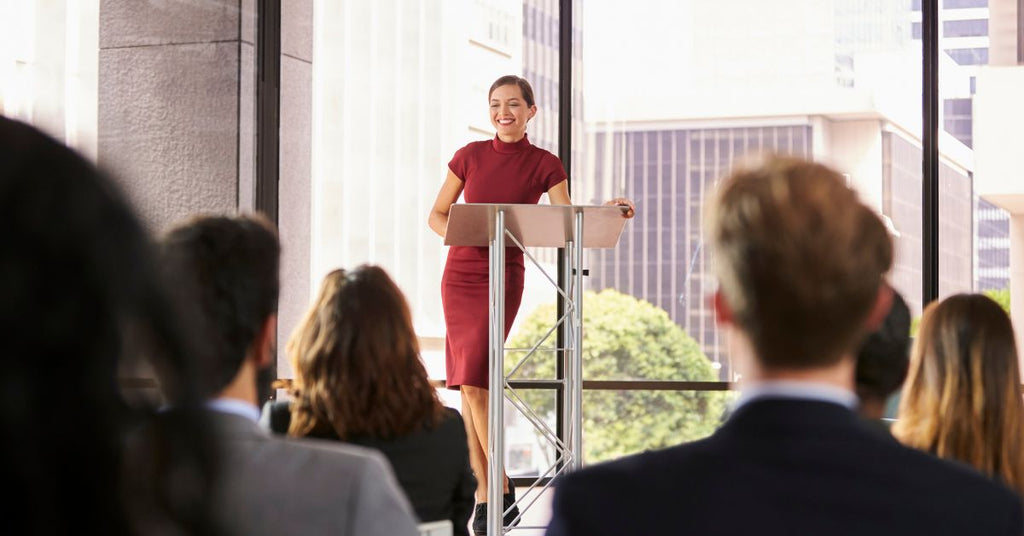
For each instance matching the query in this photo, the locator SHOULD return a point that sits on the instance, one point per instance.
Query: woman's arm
(559, 194)
(450, 192)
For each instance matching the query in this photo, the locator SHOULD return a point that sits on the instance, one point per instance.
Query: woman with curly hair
(359, 379)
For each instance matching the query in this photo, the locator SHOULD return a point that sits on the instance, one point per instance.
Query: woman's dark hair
(513, 80)
(81, 305)
(225, 270)
(357, 365)
(885, 355)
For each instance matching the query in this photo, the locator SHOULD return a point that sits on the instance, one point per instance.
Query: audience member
(226, 272)
(359, 379)
(800, 263)
(962, 400)
(80, 306)
(882, 363)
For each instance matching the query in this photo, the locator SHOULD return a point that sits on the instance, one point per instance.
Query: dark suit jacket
(431, 465)
(784, 466)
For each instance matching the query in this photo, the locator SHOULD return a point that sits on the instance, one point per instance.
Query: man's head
(800, 262)
(883, 359)
(225, 273)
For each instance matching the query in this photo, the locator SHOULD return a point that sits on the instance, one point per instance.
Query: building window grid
(965, 28)
(797, 144)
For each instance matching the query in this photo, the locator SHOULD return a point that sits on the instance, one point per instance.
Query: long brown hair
(357, 364)
(962, 398)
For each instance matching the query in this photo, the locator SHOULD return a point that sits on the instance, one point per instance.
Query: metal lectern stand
(556, 226)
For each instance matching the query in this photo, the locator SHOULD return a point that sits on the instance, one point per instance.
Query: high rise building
(842, 101)
(964, 37)
(670, 169)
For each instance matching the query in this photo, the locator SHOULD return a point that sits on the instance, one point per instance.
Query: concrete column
(294, 188)
(1017, 279)
(172, 76)
(1003, 32)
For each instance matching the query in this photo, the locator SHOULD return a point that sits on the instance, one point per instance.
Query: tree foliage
(1000, 296)
(629, 339)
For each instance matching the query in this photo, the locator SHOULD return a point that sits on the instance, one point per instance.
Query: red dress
(492, 172)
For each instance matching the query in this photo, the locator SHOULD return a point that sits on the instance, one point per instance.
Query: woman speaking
(506, 169)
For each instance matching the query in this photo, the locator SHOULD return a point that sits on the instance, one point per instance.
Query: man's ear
(265, 341)
(880, 309)
(723, 314)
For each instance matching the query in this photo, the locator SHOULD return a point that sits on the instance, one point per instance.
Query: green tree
(629, 339)
(1000, 296)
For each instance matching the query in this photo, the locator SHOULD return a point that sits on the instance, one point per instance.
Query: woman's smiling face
(510, 112)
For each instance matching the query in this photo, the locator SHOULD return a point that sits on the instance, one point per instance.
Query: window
(969, 56)
(957, 4)
(965, 28)
(729, 94)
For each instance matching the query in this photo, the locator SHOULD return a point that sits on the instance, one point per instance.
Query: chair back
(436, 528)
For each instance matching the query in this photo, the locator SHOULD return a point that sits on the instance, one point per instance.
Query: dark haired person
(505, 169)
(81, 307)
(801, 264)
(359, 379)
(882, 362)
(225, 271)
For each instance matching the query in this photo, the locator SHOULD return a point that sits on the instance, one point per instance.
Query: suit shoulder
(637, 468)
(451, 424)
(327, 456)
(451, 414)
(953, 476)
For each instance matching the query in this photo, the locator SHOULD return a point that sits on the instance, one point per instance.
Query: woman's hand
(623, 202)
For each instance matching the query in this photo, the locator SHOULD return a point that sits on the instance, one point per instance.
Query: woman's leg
(474, 412)
(477, 452)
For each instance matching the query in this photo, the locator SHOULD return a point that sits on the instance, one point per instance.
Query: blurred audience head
(883, 360)
(225, 270)
(357, 365)
(81, 309)
(962, 398)
(800, 262)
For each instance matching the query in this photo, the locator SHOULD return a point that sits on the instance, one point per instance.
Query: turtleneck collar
(509, 148)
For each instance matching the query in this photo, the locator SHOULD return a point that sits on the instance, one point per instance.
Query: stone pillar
(171, 121)
(294, 186)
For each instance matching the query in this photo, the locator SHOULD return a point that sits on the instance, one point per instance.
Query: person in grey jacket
(225, 272)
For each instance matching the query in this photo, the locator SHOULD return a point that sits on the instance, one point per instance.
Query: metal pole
(577, 350)
(930, 151)
(496, 379)
(567, 354)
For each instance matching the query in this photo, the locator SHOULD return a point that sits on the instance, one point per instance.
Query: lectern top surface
(472, 224)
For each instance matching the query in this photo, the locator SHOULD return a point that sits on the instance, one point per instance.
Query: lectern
(573, 227)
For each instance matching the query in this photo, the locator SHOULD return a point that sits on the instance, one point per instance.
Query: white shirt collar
(801, 390)
(235, 407)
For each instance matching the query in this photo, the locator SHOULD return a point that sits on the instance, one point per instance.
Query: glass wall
(674, 95)
(667, 96)
(49, 66)
(398, 88)
(980, 77)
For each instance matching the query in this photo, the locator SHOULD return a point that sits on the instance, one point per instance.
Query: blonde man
(801, 265)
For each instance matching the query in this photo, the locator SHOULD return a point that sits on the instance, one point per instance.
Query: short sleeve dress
(492, 172)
